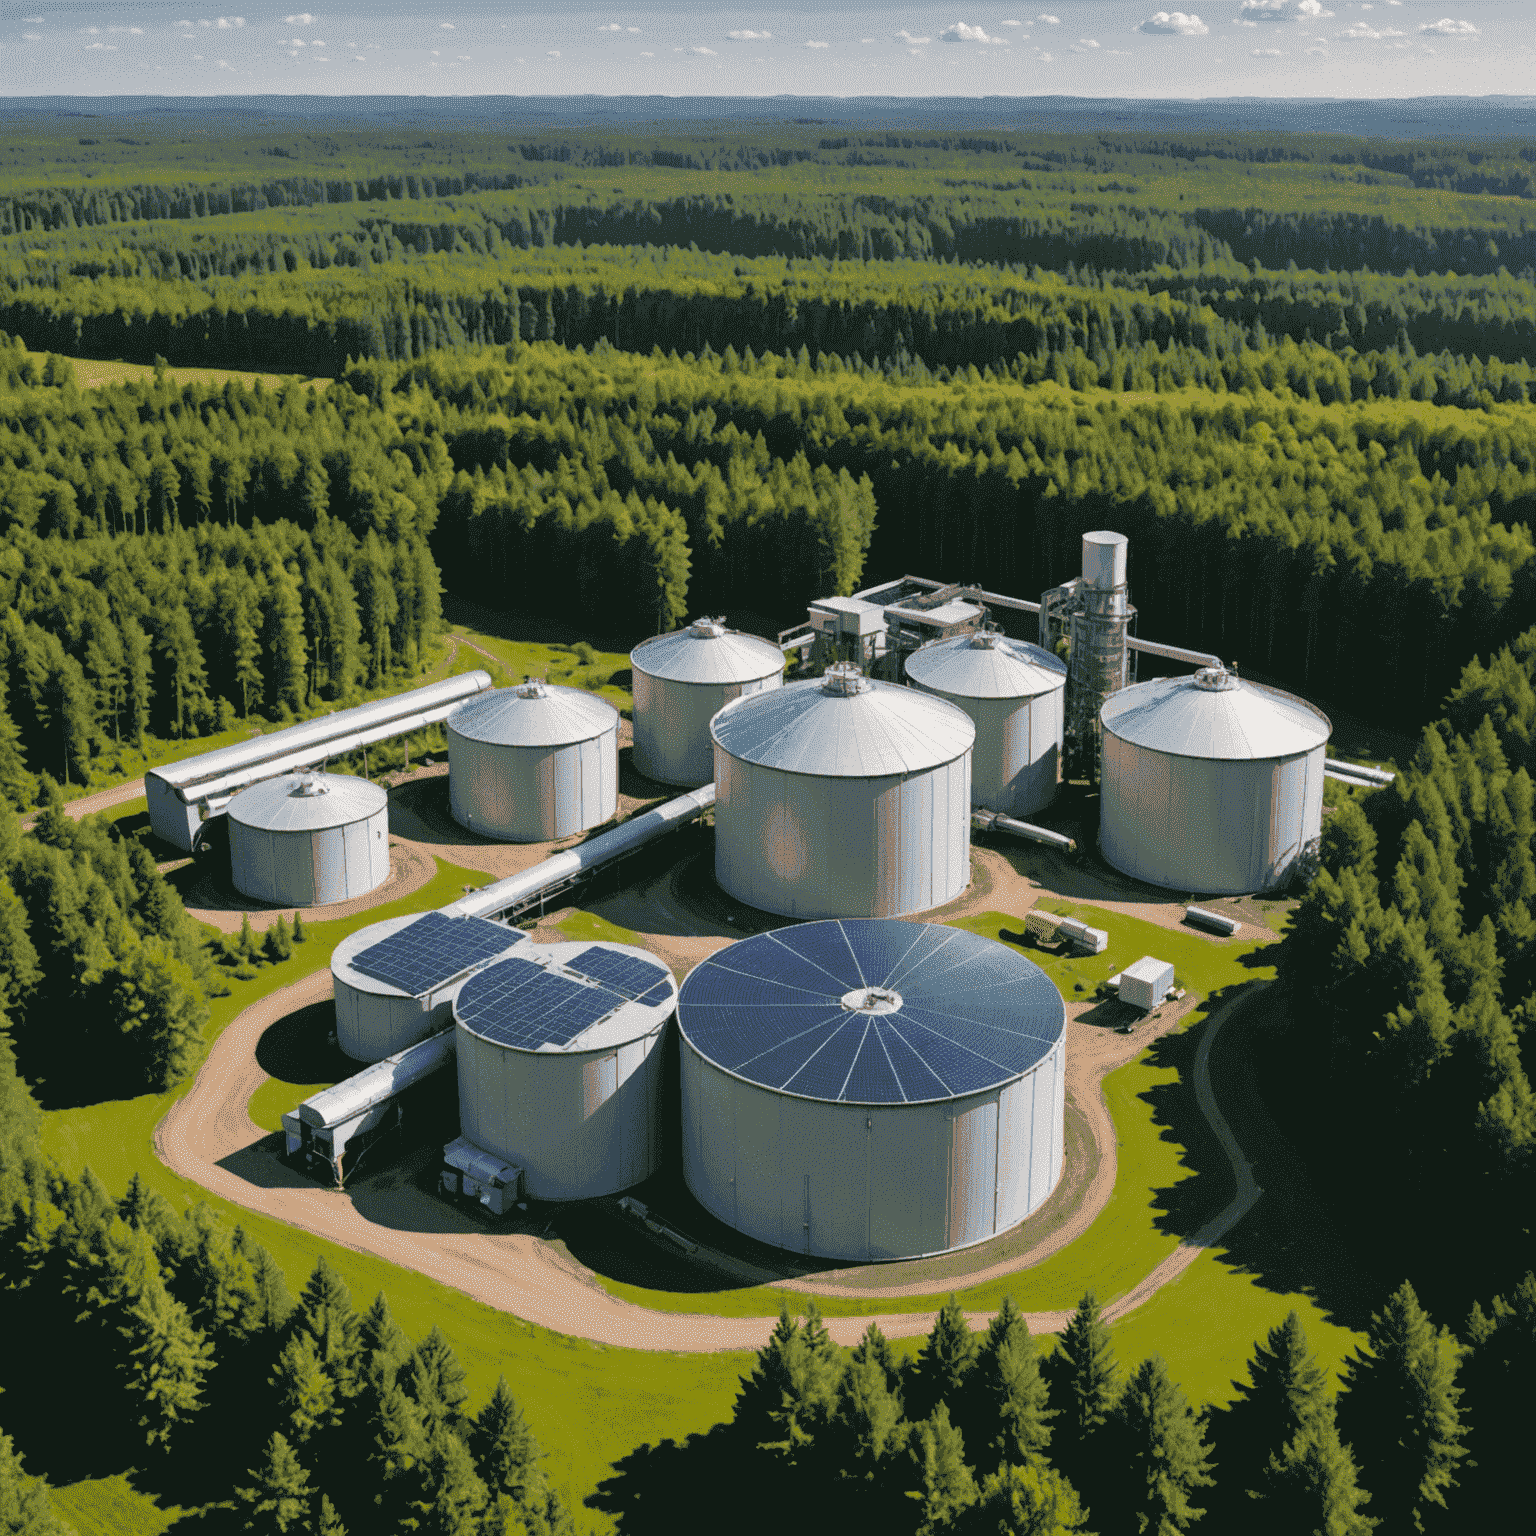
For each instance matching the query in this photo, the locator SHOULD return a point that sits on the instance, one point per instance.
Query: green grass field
(93, 373)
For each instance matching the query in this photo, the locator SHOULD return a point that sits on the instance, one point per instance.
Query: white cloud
(317, 44)
(644, 54)
(101, 47)
(749, 36)
(1255, 11)
(1267, 53)
(1362, 32)
(810, 44)
(1445, 27)
(32, 37)
(1175, 23)
(632, 29)
(358, 58)
(612, 26)
(912, 42)
(225, 23)
(704, 53)
(960, 32)
(446, 26)
(1317, 53)
(1047, 58)
(552, 53)
(1011, 23)
(1084, 45)
(300, 19)
(1050, 21)
(224, 64)
(37, 21)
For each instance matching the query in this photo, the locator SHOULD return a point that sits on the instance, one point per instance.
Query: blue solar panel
(628, 975)
(432, 949)
(521, 1004)
(968, 1013)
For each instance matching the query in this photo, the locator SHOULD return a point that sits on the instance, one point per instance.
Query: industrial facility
(533, 764)
(842, 797)
(681, 682)
(307, 840)
(871, 1090)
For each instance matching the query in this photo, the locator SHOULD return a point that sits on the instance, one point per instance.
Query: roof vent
(844, 678)
(872, 1000)
(707, 629)
(533, 689)
(310, 786)
(986, 639)
(1215, 679)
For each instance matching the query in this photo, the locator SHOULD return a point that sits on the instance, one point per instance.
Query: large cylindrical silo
(1013, 692)
(395, 981)
(681, 682)
(534, 763)
(310, 839)
(559, 1065)
(871, 1090)
(1210, 784)
(843, 797)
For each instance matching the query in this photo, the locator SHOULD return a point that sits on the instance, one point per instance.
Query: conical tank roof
(1214, 714)
(843, 725)
(307, 802)
(986, 665)
(708, 652)
(534, 715)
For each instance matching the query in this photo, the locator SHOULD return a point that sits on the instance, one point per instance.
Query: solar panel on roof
(521, 1004)
(628, 975)
(792, 1010)
(431, 950)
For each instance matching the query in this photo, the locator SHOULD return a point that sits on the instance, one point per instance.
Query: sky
(1115, 48)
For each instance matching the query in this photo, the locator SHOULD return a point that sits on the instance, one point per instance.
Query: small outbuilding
(1146, 983)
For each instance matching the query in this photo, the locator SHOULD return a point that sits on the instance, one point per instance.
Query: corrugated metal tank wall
(810, 846)
(580, 1123)
(373, 1019)
(313, 867)
(1016, 763)
(672, 744)
(1207, 826)
(533, 794)
(871, 1182)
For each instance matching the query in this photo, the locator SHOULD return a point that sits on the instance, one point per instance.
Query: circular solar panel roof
(986, 665)
(871, 1012)
(707, 652)
(307, 802)
(534, 715)
(1214, 714)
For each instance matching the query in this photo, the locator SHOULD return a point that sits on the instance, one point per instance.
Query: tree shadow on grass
(300, 1048)
(1288, 1241)
(658, 1490)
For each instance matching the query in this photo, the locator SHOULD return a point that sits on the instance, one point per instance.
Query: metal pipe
(377, 1084)
(799, 643)
(1175, 653)
(989, 821)
(1359, 771)
(493, 900)
(1356, 780)
(998, 600)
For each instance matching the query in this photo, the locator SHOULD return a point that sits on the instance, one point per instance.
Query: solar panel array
(431, 950)
(521, 1004)
(973, 1015)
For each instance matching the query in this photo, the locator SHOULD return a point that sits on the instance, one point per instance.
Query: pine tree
(157, 1005)
(1029, 1499)
(506, 1452)
(868, 1415)
(273, 1304)
(246, 943)
(1081, 1376)
(948, 1487)
(944, 1362)
(147, 1210)
(299, 936)
(276, 945)
(327, 1522)
(224, 1299)
(168, 1361)
(25, 1506)
(305, 1392)
(326, 1314)
(382, 1343)
(1400, 1412)
(1159, 1456)
(20, 972)
(278, 1498)
(435, 1379)
(455, 1496)
(1311, 1488)
(396, 1457)
(1005, 1400)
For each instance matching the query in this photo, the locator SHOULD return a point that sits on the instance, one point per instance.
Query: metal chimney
(1100, 619)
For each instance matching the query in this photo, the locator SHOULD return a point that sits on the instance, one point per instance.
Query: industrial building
(1211, 784)
(183, 796)
(560, 1067)
(308, 840)
(533, 764)
(842, 797)
(395, 981)
(1013, 692)
(871, 1090)
(681, 682)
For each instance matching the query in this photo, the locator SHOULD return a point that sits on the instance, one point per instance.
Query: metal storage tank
(395, 981)
(1211, 784)
(681, 681)
(560, 1066)
(871, 1090)
(534, 763)
(1013, 692)
(842, 797)
(309, 839)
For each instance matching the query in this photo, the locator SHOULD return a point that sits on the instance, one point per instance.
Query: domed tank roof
(307, 802)
(1214, 714)
(986, 665)
(534, 715)
(843, 725)
(708, 652)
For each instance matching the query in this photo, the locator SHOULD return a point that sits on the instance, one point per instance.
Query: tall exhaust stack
(1099, 616)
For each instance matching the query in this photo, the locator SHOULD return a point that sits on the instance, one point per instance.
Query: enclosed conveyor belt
(183, 795)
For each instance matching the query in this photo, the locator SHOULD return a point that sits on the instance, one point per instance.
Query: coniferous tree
(455, 1497)
(306, 1394)
(396, 1458)
(327, 1522)
(435, 1379)
(1028, 1499)
(277, 1500)
(1158, 1460)
(506, 1452)
(325, 1313)
(382, 1342)
(1006, 1399)
(1401, 1413)
(272, 1305)
(1082, 1378)
(944, 1362)
(168, 1361)
(1501, 1358)
(947, 1485)
(789, 1395)
(25, 1506)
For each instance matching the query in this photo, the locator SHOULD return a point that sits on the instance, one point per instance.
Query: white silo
(534, 763)
(871, 1090)
(1210, 784)
(681, 681)
(395, 981)
(1013, 692)
(842, 797)
(310, 839)
(559, 1065)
